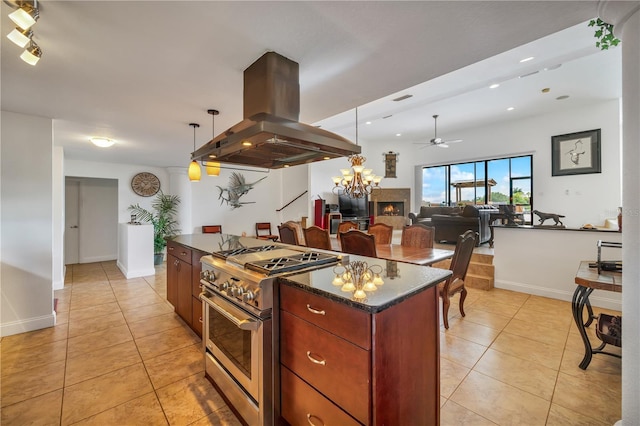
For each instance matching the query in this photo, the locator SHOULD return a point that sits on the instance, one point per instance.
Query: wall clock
(145, 184)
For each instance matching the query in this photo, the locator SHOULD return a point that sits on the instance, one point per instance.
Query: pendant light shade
(194, 167)
(25, 16)
(31, 54)
(194, 171)
(212, 167)
(20, 37)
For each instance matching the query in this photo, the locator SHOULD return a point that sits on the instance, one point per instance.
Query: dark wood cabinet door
(172, 280)
(184, 308)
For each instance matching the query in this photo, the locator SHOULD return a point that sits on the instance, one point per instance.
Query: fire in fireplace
(390, 208)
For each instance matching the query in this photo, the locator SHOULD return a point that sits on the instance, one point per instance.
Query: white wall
(544, 261)
(26, 242)
(586, 198)
(262, 202)
(58, 218)
(123, 173)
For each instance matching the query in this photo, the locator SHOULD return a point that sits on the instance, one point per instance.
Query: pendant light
(356, 182)
(32, 53)
(20, 37)
(194, 167)
(212, 167)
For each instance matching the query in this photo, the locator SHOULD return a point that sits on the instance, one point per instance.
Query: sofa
(424, 216)
(472, 217)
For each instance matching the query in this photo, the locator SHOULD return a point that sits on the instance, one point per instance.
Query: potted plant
(165, 225)
(604, 34)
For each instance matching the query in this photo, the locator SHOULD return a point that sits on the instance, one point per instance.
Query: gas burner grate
(279, 263)
(291, 263)
(242, 250)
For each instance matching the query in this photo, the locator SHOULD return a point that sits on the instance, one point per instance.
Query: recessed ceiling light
(526, 59)
(286, 165)
(528, 74)
(511, 108)
(494, 86)
(553, 67)
(212, 156)
(368, 122)
(102, 142)
(246, 143)
(326, 158)
(561, 98)
(546, 90)
(398, 134)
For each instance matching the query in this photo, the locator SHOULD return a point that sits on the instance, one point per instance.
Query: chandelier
(357, 181)
(358, 278)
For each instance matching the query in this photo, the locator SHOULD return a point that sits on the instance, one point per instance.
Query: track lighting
(31, 54)
(194, 167)
(26, 15)
(20, 37)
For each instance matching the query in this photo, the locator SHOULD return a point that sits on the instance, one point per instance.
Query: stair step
(481, 269)
(482, 258)
(479, 282)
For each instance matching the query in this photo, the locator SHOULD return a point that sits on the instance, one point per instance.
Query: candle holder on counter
(358, 278)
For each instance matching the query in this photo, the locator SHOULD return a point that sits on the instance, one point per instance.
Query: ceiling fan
(436, 141)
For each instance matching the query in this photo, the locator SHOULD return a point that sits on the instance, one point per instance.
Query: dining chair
(263, 231)
(288, 234)
(382, 232)
(459, 265)
(417, 235)
(345, 226)
(358, 242)
(316, 237)
(212, 229)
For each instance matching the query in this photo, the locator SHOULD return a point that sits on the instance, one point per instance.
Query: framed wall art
(390, 159)
(576, 153)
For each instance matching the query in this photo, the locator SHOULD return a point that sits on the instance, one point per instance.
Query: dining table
(415, 255)
(588, 278)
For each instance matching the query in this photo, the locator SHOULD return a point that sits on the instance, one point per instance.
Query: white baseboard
(601, 302)
(30, 324)
(93, 259)
(58, 284)
(135, 273)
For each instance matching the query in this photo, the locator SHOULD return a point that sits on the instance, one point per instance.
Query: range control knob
(224, 285)
(248, 296)
(238, 291)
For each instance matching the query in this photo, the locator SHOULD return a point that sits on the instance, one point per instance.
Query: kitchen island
(336, 358)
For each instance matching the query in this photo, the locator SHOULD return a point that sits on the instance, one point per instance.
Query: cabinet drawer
(335, 367)
(344, 321)
(179, 251)
(303, 405)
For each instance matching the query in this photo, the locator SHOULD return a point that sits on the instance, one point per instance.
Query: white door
(71, 222)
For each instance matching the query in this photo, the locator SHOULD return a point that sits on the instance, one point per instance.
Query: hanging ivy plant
(604, 34)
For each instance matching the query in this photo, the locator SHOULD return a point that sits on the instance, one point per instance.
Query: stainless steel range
(237, 333)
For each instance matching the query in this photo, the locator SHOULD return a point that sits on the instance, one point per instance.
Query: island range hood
(270, 135)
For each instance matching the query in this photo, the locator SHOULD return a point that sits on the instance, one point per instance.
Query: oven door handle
(242, 323)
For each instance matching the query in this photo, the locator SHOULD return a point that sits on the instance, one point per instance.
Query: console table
(587, 280)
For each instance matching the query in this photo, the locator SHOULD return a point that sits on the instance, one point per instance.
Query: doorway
(91, 220)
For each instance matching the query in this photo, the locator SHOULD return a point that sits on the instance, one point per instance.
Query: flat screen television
(353, 207)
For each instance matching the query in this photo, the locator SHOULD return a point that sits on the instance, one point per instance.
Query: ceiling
(140, 71)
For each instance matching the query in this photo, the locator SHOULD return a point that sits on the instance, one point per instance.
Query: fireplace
(390, 206)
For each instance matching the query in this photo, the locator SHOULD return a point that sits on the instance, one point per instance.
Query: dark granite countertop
(210, 243)
(409, 280)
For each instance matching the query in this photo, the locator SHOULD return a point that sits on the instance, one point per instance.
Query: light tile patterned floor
(120, 356)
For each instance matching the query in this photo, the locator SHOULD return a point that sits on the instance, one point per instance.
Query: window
(498, 181)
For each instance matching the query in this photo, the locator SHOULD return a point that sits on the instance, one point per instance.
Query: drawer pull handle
(184, 253)
(314, 360)
(200, 320)
(170, 248)
(309, 415)
(315, 311)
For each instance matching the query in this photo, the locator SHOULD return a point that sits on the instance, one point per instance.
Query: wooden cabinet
(343, 365)
(183, 281)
